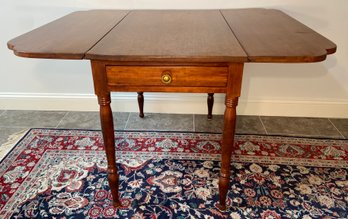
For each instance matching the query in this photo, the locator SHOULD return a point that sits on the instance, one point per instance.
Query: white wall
(318, 89)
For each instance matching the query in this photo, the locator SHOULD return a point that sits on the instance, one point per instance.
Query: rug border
(198, 132)
(161, 131)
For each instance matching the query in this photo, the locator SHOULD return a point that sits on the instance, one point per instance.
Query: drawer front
(173, 76)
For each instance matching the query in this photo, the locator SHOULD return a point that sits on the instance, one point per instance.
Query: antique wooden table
(198, 51)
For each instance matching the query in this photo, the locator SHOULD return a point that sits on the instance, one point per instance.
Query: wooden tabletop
(234, 35)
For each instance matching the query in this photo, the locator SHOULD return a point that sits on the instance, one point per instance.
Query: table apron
(126, 88)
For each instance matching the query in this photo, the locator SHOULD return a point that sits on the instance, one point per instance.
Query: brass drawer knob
(166, 78)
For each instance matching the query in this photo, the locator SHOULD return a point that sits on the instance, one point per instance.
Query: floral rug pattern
(62, 174)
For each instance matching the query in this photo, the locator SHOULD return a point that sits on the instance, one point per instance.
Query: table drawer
(176, 76)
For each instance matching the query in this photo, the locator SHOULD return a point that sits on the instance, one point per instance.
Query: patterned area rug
(62, 174)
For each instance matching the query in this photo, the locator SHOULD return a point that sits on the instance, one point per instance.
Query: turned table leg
(231, 102)
(210, 102)
(226, 151)
(141, 104)
(107, 125)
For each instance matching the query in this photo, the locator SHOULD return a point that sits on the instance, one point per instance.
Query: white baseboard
(173, 103)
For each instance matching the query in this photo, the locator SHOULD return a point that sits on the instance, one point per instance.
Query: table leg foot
(113, 184)
(223, 189)
(117, 204)
(221, 207)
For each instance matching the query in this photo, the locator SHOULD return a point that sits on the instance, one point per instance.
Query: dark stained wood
(106, 120)
(141, 104)
(210, 103)
(69, 37)
(107, 125)
(176, 35)
(269, 35)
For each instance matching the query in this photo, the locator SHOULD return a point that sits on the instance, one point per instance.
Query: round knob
(166, 78)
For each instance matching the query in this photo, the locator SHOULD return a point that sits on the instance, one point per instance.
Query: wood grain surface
(173, 36)
(183, 76)
(269, 35)
(69, 37)
(170, 35)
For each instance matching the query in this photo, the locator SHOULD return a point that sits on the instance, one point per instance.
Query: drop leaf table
(195, 51)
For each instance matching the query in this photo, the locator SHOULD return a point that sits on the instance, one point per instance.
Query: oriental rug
(52, 173)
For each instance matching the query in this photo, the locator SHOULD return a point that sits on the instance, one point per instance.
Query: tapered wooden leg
(107, 125)
(231, 102)
(226, 151)
(210, 102)
(141, 104)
